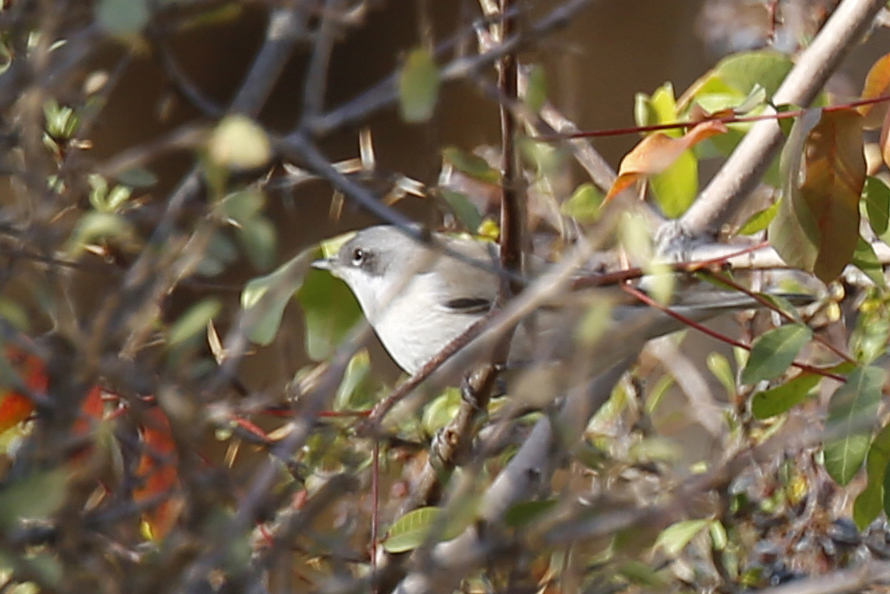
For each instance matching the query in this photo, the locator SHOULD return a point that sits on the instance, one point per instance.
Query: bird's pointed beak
(323, 264)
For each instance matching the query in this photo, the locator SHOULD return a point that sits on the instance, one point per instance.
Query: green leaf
(280, 285)
(642, 574)
(243, 206)
(886, 490)
(441, 411)
(33, 497)
(774, 351)
(61, 121)
(411, 530)
(95, 226)
(122, 17)
(352, 393)
(665, 107)
(783, 397)
(463, 209)
(584, 204)
(259, 240)
(745, 71)
(675, 537)
(760, 220)
(470, 164)
(644, 112)
(194, 321)
(794, 232)
(722, 370)
(866, 260)
(137, 177)
(719, 538)
(117, 197)
(419, 86)
(98, 191)
(876, 196)
(330, 310)
(818, 229)
(869, 339)
(850, 410)
(783, 305)
(675, 189)
(536, 89)
(872, 499)
(524, 513)
(220, 253)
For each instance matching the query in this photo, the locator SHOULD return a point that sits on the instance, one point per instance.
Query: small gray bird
(419, 297)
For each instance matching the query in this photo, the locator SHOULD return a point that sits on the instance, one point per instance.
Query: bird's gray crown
(377, 249)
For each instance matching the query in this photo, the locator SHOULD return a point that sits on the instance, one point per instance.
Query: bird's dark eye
(358, 256)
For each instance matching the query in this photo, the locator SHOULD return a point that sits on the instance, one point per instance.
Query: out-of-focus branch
(141, 289)
(386, 92)
(528, 471)
(317, 76)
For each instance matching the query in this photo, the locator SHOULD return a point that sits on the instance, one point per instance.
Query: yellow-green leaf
(675, 537)
(238, 143)
(584, 205)
(194, 321)
(411, 530)
(418, 86)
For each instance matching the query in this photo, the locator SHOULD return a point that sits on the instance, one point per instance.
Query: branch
(528, 471)
(726, 193)
(386, 92)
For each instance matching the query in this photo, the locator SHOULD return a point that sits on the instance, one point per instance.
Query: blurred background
(595, 66)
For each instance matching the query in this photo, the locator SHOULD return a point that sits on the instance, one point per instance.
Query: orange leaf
(835, 175)
(877, 84)
(657, 152)
(92, 409)
(14, 406)
(158, 473)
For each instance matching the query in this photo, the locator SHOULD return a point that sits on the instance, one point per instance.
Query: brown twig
(512, 196)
